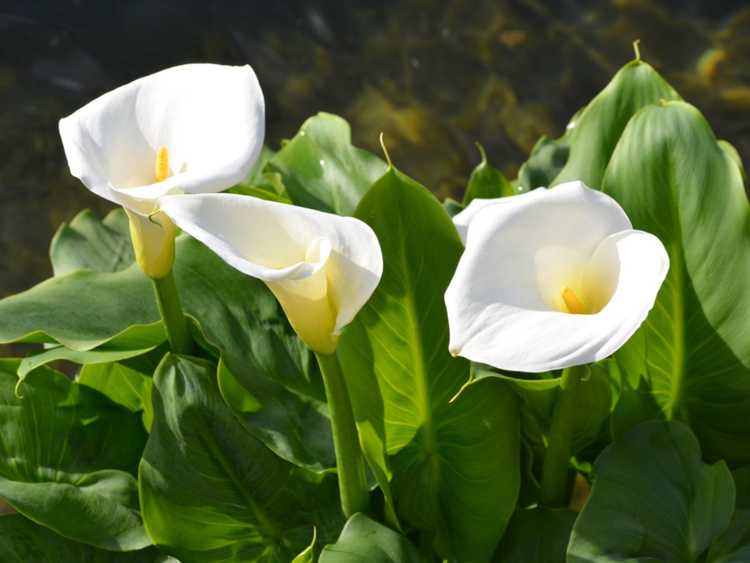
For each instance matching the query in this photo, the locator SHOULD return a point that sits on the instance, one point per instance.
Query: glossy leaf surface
(669, 509)
(23, 541)
(675, 181)
(454, 466)
(68, 454)
(244, 502)
(321, 169)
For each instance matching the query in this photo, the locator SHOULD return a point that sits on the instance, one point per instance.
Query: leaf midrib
(422, 390)
(677, 264)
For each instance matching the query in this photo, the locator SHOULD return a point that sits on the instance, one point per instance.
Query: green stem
(174, 319)
(555, 490)
(350, 464)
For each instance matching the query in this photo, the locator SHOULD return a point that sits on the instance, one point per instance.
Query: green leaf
(454, 466)
(653, 497)
(635, 402)
(321, 169)
(452, 207)
(23, 541)
(536, 535)
(234, 393)
(67, 453)
(675, 181)
(269, 190)
(308, 555)
(296, 428)
(257, 173)
(239, 319)
(365, 541)
(211, 491)
(82, 357)
(88, 243)
(734, 545)
(84, 310)
(262, 184)
(539, 397)
(122, 384)
(486, 181)
(546, 160)
(593, 134)
(242, 320)
(742, 484)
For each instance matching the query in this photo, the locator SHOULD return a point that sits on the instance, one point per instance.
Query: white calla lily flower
(550, 279)
(321, 267)
(195, 128)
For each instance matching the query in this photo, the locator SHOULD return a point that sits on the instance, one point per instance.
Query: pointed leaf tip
(385, 150)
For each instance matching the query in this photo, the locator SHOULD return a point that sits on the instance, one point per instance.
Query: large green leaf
(87, 309)
(536, 535)
(320, 168)
(365, 541)
(238, 316)
(454, 466)
(211, 491)
(594, 132)
(675, 181)
(67, 454)
(23, 541)
(653, 497)
(296, 428)
(84, 310)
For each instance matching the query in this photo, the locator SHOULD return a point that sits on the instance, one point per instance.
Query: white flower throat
(574, 282)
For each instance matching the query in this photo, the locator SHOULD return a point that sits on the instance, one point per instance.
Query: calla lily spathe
(550, 279)
(195, 128)
(321, 267)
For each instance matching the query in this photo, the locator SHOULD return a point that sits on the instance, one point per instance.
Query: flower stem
(350, 464)
(555, 487)
(174, 319)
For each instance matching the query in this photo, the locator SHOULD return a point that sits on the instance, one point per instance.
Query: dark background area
(434, 75)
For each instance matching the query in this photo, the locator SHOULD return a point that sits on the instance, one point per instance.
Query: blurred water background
(435, 75)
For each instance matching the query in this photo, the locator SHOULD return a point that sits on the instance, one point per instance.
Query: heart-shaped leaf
(653, 497)
(103, 316)
(593, 133)
(321, 169)
(365, 541)
(212, 491)
(674, 180)
(296, 428)
(67, 457)
(454, 466)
